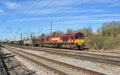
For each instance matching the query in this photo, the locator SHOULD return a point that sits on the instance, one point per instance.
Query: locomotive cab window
(79, 37)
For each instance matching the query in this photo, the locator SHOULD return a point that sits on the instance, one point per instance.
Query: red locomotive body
(66, 41)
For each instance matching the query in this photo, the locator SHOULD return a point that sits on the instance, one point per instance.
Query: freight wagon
(33, 42)
(28, 42)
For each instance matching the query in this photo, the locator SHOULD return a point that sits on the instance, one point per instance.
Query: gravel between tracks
(103, 53)
(100, 67)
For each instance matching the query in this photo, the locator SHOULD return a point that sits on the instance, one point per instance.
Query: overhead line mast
(21, 36)
(51, 28)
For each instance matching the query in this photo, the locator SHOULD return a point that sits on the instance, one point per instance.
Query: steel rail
(95, 57)
(41, 64)
(64, 49)
(90, 72)
(70, 51)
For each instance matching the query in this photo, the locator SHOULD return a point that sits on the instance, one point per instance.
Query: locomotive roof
(64, 35)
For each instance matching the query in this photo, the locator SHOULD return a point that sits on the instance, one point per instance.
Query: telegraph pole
(31, 35)
(21, 36)
(51, 28)
(14, 38)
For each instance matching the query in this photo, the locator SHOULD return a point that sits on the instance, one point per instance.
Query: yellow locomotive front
(79, 41)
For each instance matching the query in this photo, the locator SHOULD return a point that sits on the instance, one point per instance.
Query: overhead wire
(107, 4)
(61, 9)
(70, 5)
(77, 3)
(48, 3)
(6, 18)
(29, 10)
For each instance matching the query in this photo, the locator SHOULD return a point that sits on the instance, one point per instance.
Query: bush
(108, 37)
(99, 42)
(111, 43)
(95, 42)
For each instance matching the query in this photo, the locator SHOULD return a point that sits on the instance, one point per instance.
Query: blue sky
(34, 16)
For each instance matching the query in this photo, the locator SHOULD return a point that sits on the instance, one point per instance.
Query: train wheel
(79, 47)
(71, 48)
(58, 45)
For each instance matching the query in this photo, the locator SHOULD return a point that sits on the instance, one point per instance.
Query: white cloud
(1, 11)
(87, 21)
(64, 18)
(47, 6)
(107, 15)
(30, 19)
(11, 5)
(56, 11)
(51, 8)
(44, 7)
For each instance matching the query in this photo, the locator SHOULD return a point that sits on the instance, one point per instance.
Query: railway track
(56, 66)
(114, 60)
(68, 50)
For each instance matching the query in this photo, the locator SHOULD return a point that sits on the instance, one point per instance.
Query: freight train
(71, 41)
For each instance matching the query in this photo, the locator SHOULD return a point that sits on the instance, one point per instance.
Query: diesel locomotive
(65, 41)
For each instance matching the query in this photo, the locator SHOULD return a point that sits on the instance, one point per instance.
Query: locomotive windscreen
(79, 36)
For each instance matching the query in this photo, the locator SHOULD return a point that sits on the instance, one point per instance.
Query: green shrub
(99, 42)
(95, 42)
(111, 43)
